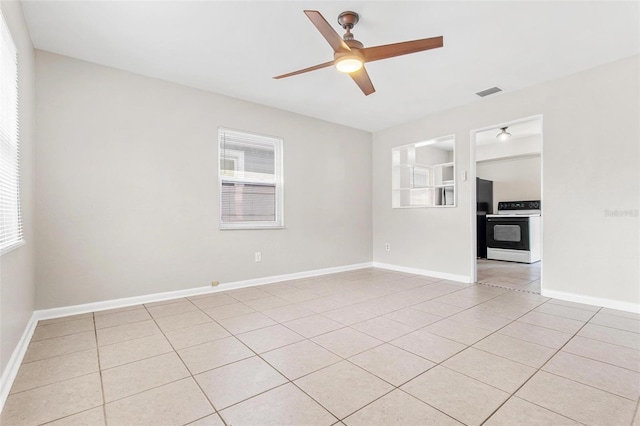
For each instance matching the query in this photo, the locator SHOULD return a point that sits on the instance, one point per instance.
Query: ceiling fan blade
(327, 31)
(376, 53)
(302, 71)
(363, 81)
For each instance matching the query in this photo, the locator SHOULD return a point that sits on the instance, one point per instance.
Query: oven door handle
(510, 220)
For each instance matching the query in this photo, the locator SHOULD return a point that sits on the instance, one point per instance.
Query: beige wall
(16, 266)
(513, 178)
(590, 164)
(433, 239)
(127, 188)
(127, 201)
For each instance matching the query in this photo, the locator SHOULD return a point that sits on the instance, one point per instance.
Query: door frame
(473, 265)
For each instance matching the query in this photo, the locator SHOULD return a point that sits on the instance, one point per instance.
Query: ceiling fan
(350, 55)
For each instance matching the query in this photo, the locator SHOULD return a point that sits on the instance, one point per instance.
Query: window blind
(250, 180)
(10, 215)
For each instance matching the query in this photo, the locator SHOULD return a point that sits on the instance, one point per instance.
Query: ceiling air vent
(488, 92)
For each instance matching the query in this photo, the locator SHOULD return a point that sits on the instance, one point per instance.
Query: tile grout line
(616, 328)
(88, 374)
(53, 383)
(394, 387)
(270, 365)
(279, 372)
(600, 361)
(636, 415)
(468, 346)
(587, 385)
(537, 371)
(389, 342)
(63, 354)
(342, 359)
(215, 411)
(76, 377)
(463, 310)
(127, 363)
(104, 402)
(63, 335)
(315, 313)
(383, 342)
(383, 315)
(608, 343)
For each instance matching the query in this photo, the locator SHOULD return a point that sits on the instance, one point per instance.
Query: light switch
(464, 175)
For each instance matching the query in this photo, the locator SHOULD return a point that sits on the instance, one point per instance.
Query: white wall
(127, 188)
(16, 266)
(431, 155)
(513, 178)
(591, 164)
(517, 147)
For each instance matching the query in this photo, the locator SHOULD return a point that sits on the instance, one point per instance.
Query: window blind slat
(10, 215)
(246, 202)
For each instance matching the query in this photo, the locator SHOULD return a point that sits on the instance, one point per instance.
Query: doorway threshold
(522, 277)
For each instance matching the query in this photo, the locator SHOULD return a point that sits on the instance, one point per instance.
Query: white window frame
(11, 232)
(239, 160)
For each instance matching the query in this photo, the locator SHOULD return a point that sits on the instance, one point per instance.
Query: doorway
(506, 165)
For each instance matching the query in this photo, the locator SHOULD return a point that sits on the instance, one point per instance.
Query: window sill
(12, 247)
(244, 227)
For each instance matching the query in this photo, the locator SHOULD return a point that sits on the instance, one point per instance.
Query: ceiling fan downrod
(348, 20)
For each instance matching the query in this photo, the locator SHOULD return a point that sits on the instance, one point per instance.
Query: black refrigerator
(484, 206)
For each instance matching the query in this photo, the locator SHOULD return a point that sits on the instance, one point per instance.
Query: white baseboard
(595, 301)
(11, 370)
(157, 297)
(424, 272)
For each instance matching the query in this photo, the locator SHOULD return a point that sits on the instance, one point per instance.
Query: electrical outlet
(214, 283)
(258, 256)
(387, 247)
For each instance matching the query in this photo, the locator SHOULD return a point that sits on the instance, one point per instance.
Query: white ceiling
(518, 130)
(236, 47)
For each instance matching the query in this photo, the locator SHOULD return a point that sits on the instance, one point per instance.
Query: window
(250, 180)
(10, 216)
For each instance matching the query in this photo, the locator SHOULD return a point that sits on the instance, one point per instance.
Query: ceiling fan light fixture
(350, 55)
(503, 135)
(349, 63)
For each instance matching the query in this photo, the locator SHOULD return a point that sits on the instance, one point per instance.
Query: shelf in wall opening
(430, 206)
(417, 188)
(422, 166)
(443, 164)
(444, 185)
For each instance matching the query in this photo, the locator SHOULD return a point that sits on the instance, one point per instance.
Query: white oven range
(514, 234)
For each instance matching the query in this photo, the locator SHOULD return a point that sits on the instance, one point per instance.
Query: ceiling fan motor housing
(348, 19)
(355, 47)
(354, 44)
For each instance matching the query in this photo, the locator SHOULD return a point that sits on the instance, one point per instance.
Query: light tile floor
(510, 275)
(368, 347)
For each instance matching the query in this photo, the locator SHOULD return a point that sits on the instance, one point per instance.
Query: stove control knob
(536, 205)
